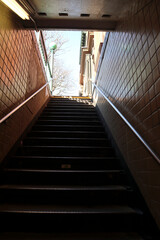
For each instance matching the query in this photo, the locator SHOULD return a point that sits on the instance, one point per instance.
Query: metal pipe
(130, 126)
(52, 69)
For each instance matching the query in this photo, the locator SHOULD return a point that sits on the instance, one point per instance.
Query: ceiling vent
(106, 15)
(42, 14)
(63, 14)
(85, 15)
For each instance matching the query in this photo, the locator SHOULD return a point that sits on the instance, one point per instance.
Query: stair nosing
(63, 188)
(34, 131)
(55, 138)
(66, 120)
(53, 209)
(61, 171)
(62, 146)
(67, 158)
(88, 126)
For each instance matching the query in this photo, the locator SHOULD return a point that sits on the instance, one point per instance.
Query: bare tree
(62, 80)
(61, 76)
(58, 38)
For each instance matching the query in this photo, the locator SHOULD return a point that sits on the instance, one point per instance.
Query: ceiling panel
(76, 14)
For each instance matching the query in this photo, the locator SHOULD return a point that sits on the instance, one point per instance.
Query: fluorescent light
(15, 7)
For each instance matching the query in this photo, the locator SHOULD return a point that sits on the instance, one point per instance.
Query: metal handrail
(129, 125)
(19, 106)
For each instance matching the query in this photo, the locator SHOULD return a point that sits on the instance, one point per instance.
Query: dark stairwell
(65, 181)
(129, 77)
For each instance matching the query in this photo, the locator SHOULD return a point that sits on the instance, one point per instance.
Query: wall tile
(130, 76)
(21, 74)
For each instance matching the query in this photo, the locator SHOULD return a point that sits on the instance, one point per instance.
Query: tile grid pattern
(17, 50)
(130, 77)
(21, 74)
(132, 72)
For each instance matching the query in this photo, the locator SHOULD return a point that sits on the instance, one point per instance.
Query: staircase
(65, 181)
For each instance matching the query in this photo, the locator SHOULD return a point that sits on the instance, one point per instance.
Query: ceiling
(76, 14)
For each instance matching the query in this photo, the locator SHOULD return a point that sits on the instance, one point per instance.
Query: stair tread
(70, 113)
(70, 236)
(69, 147)
(81, 108)
(56, 157)
(66, 209)
(68, 121)
(69, 171)
(78, 117)
(70, 106)
(60, 171)
(65, 133)
(69, 126)
(65, 188)
(35, 131)
(74, 138)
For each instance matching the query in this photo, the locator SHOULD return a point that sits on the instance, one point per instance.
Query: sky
(70, 60)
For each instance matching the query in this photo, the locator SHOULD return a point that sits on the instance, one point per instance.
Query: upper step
(77, 99)
(65, 127)
(84, 103)
(67, 117)
(69, 109)
(65, 151)
(68, 122)
(69, 106)
(69, 113)
(66, 133)
(53, 141)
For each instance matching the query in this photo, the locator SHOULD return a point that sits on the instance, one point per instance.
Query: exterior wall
(90, 55)
(21, 74)
(130, 77)
(98, 42)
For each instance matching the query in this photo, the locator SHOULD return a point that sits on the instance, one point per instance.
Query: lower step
(66, 104)
(64, 177)
(44, 141)
(95, 128)
(76, 117)
(68, 122)
(67, 134)
(55, 194)
(53, 107)
(70, 236)
(68, 113)
(69, 109)
(71, 218)
(73, 163)
(66, 151)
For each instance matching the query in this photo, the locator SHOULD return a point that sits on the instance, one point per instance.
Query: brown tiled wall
(130, 77)
(21, 73)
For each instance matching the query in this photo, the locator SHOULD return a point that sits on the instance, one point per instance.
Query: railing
(129, 125)
(23, 103)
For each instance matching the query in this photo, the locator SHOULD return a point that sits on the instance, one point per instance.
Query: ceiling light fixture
(15, 7)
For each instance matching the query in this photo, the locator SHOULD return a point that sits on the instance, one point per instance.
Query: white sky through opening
(69, 60)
